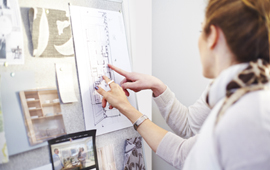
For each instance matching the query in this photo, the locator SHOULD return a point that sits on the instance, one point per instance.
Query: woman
(79, 153)
(82, 156)
(229, 126)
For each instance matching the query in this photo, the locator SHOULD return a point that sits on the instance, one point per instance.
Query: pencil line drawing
(98, 45)
(99, 39)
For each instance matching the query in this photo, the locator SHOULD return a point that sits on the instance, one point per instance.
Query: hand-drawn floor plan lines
(98, 45)
(99, 38)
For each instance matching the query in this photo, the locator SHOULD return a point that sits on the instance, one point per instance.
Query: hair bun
(260, 6)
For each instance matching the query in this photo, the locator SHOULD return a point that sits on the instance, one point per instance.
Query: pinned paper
(65, 83)
(11, 33)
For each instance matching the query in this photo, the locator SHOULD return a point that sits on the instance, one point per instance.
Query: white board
(99, 39)
(14, 124)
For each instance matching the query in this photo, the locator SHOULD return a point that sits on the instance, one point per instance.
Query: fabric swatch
(134, 154)
(51, 33)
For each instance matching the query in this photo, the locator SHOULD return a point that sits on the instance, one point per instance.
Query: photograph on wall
(75, 151)
(42, 114)
(11, 39)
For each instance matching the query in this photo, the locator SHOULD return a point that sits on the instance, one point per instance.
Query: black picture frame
(74, 137)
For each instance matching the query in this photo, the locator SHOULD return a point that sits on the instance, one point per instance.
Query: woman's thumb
(129, 85)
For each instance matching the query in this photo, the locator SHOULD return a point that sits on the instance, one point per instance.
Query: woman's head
(245, 24)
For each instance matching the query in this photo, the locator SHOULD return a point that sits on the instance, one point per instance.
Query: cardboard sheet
(16, 133)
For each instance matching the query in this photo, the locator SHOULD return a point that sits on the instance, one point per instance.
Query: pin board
(40, 72)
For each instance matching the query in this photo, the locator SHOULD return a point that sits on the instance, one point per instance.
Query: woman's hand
(115, 97)
(137, 82)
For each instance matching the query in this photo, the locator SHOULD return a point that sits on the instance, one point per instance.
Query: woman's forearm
(152, 134)
(184, 121)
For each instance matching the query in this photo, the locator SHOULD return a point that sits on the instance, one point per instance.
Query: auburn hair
(245, 24)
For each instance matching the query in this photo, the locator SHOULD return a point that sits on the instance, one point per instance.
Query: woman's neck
(223, 58)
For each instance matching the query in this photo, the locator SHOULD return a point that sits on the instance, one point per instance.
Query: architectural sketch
(98, 45)
(99, 39)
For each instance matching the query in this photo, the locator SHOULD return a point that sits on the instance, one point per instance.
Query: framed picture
(75, 151)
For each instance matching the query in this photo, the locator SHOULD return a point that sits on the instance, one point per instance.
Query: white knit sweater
(241, 140)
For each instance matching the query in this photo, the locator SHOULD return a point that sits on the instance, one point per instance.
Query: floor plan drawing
(98, 45)
(99, 40)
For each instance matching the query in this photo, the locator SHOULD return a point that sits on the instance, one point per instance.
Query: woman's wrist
(131, 113)
(158, 88)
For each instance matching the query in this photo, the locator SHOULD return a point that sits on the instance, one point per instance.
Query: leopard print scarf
(253, 78)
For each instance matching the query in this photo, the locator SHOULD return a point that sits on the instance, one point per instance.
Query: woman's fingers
(130, 85)
(115, 97)
(118, 70)
(126, 92)
(104, 102)
(101, 91)
(123, 81)
(107, 80)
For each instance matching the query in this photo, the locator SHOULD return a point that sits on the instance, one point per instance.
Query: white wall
(138, 19)
(176, 28)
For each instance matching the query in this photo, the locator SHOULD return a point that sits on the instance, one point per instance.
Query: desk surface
(70, 166)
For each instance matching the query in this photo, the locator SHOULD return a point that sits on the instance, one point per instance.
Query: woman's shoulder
(252, 104)
(252, 108)
(250, 115)
(243, 132)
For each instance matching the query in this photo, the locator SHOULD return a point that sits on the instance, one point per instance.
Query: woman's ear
(212, 37)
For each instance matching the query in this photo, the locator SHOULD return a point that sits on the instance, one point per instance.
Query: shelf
(31, 94)
(49, 104)
(45, 117)
(33, 101)
(38, 102)
(34, 109)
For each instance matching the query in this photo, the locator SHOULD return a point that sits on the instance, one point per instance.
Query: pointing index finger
(118, 70)
(107, 80)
